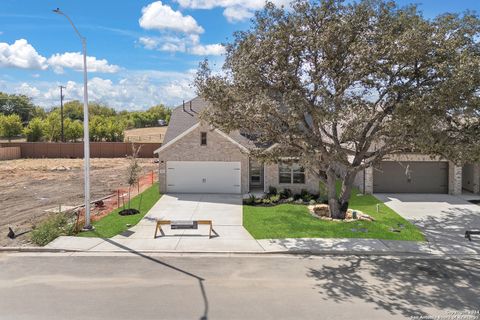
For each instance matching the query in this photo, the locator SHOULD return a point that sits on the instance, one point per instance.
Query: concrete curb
(258, 253)
(34, 249)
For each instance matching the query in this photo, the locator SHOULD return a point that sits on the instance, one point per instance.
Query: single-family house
(196, 158)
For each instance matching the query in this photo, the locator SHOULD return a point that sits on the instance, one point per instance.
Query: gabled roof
(181, 120)
(185, 118)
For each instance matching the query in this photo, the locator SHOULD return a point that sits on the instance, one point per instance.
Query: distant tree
(52, 126)
(160, 112)
(39, 112)
(34, 130)
(17, 104)
(73, 129)
(74, 110)
(10, 126)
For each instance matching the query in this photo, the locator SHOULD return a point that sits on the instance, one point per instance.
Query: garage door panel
(411, 177)
(203, 177)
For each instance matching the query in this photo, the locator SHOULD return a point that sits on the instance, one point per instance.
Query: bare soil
(28, 187)
(153, 134)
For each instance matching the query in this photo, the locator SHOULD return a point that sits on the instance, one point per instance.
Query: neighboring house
(196, 158)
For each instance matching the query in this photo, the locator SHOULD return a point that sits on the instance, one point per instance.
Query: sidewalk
(294, 246)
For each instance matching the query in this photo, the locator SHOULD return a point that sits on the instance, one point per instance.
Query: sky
(140, 53)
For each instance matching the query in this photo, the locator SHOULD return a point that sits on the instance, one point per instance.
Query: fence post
(118, 198)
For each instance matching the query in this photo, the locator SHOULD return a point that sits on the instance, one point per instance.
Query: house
(196, 158)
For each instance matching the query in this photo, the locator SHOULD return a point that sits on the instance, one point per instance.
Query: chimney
(183, 105)
(191, 106)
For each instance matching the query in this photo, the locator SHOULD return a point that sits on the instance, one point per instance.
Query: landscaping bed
(114, 223)
(294, 220)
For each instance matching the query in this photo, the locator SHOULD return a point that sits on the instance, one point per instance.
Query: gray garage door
(411, 177)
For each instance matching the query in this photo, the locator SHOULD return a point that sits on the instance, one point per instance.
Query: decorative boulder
(321, 210)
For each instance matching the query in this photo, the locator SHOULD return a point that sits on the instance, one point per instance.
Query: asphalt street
(138, 286)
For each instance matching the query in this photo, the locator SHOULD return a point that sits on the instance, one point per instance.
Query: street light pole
(86, 138)
(61, 111)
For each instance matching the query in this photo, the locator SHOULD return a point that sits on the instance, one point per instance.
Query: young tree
(133, 171)
(34, 130)
(10, 126)
(342, 85)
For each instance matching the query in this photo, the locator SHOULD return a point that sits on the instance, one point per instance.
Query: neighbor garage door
(203, 177)
(411, 177)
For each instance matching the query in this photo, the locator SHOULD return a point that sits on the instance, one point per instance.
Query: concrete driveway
(225, 210)
(443, 219)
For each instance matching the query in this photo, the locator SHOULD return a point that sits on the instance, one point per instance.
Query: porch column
(454, 179)
(476, 178)
(368, 180)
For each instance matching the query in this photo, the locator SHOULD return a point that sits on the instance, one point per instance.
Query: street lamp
(86, 139)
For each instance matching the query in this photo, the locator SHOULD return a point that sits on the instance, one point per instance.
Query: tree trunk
(339, 204)
(332, 195)
(347, 186)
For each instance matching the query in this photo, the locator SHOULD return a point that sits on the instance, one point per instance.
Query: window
(203, 138)
(293, 173)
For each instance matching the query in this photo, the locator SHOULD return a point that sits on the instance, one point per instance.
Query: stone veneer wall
(188, 148)
(454, 172)
(272, 179)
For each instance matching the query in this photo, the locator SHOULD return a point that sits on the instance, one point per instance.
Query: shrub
(286, 193)
(272, 190)
(266, 201)
(250, 200)
(275, 198)
(305, 195)
(54, 226)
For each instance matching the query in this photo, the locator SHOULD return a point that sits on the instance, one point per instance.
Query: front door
(256, 175)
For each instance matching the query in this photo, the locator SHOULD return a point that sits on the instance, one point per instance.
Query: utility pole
(61, 110)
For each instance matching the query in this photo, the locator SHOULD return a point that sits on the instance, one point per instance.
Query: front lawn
(295, 221)
(114, 224)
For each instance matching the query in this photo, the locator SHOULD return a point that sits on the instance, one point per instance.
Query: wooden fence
(10, 153)
(75, 150)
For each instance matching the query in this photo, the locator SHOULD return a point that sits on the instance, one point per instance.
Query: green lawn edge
(114, 224)
(295, 221)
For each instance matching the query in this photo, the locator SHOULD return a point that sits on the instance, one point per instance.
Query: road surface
(137, 286)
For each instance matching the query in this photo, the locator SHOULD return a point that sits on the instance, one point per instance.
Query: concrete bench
(469, 233)
(183, 224)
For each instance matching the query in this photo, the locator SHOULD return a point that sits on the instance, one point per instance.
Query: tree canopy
(342, 85)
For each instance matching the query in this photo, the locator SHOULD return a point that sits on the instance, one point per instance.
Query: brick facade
(188, 148)
(272, 179)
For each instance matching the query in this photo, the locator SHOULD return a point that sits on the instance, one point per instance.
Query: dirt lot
(30, 186)
(154, 134)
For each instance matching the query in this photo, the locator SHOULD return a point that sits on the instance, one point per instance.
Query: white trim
(226, 136)
(271, 147)
(180, 136)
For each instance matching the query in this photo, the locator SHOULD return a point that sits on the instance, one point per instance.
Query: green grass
(295, 221)
(114, 224)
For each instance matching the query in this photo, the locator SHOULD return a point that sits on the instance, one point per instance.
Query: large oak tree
(342, 85)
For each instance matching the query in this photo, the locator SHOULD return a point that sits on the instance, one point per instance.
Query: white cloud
(157, 16)
(208, 50)
(74, 60)
(28, 90)
(22, 55)
(135, 90)
(234, 10)
(234, 14)
(148, 43)
(190, 44)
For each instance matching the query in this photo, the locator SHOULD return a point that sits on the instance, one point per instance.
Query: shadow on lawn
(198, 278)
(406, 287)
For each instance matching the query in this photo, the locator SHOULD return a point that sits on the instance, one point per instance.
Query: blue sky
(141, 52)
